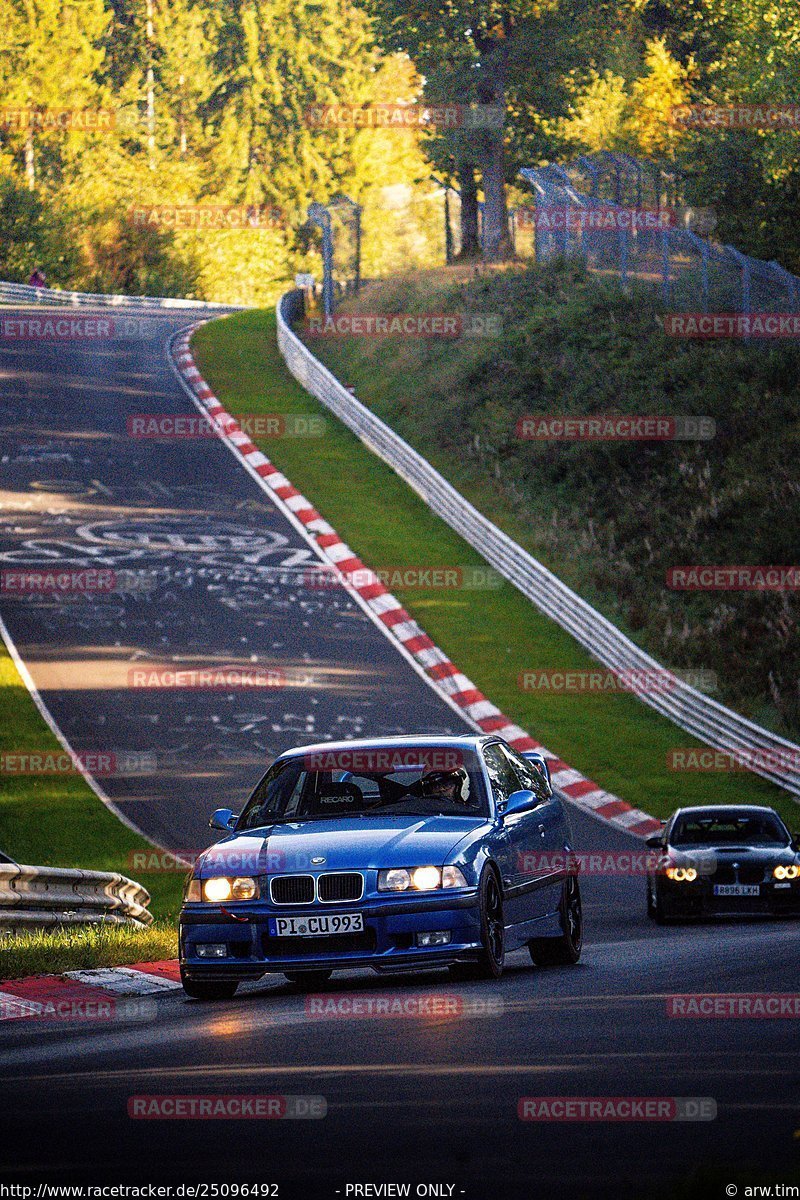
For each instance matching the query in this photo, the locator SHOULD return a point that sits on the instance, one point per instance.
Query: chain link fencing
(625, 217)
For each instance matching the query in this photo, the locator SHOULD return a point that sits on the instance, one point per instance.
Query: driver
(446, 785)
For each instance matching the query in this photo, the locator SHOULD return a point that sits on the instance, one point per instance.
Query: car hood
(711, 856)
(343, 843)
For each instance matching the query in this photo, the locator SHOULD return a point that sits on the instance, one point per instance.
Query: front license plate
(324, 925)
(736, 889)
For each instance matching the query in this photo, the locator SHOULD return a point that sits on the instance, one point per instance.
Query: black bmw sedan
(721, 861)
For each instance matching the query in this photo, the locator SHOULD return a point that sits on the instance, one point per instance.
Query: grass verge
(493, 635)
(45, 952)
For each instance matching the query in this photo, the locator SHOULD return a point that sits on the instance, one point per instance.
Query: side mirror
(518, 802)
(655, 842)
(224, 819)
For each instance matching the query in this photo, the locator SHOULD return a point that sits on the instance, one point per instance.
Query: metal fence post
(357, 218)
(623, 257)
(789, 281)
(744, 266)
(665, 265)
(319, 215)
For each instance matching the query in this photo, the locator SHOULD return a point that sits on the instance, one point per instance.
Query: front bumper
(387, 943)
(697, 899)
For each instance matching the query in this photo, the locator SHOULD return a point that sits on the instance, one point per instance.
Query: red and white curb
(398, 624)
(99, 994)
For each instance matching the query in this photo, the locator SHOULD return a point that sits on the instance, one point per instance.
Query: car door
(549, 834)
(516, 839)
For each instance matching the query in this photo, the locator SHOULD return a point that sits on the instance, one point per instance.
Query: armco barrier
(42, 897)
(773, 757)
(23, 293)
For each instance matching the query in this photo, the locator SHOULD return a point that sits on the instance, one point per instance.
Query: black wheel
(308, 980)
(208, 989)
(651, 908)
(493, 934)
(491, 957)
(563, 951)
(660, 912)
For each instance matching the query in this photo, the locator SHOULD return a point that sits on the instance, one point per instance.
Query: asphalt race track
(429, 1098)
(204, 573)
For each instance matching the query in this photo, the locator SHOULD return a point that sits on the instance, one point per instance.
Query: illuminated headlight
(682, 874)
(219, 889)
(405, 879)
(790, 872)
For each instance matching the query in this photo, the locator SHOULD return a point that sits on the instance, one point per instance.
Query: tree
(50, 56)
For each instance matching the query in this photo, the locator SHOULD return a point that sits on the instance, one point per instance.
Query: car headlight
(452, 877)
(790, 872)
(681, 874)
(404, 879)
(220, 888)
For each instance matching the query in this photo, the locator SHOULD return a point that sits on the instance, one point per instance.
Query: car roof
(715, 809)
(473, 741)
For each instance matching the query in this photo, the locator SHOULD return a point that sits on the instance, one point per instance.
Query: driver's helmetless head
(447, 785)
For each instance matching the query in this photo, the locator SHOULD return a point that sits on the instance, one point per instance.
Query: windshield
(730, 829)
(367, 783)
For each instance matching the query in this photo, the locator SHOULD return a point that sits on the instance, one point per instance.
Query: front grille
(292, 889)
(342, 943)
(746, 873)
(338, 888)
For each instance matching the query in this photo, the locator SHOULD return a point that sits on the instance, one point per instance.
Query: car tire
(308, 980)
(660, 912)
(208, 989)
(563, 951)
(492, 955)
(651, 908)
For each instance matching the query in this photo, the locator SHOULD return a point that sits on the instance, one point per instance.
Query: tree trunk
(492, 91)
(496, 237)
(470, 241)
(30, 160)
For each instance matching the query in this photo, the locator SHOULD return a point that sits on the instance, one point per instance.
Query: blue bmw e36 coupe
(395, 854)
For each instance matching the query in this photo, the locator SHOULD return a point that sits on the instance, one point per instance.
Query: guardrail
(42, 897)
(771, 756)
(24, 293)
